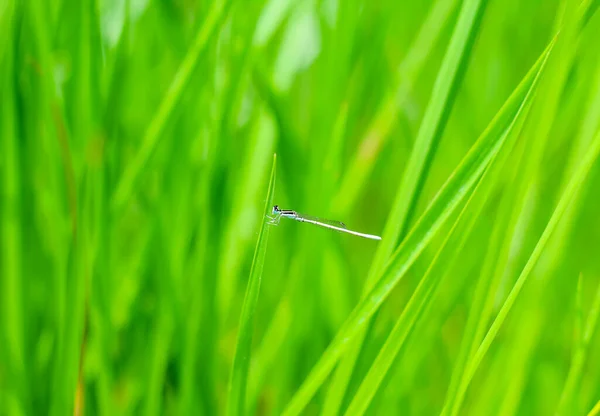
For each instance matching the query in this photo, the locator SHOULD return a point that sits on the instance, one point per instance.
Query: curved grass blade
(591, 124)
(438, 269)
(438, 111)
(482, 285)
(452, 194)
(241, 362)
(413, 310)
(254, 167)
(567, 396)
(570, 191)
(495, 264)
(497, 254)
(432, 126)
(180, 80)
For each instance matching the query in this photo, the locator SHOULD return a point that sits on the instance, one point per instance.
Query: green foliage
(243, 349)
(136, 145)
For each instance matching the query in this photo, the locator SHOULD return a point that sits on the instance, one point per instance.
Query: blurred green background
(137, 139)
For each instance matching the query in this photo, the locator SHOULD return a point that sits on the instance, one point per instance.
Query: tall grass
(136, 160)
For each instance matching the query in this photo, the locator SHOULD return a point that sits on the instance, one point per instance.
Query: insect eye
(275, 209)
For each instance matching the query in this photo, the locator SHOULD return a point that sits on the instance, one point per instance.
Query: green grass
(243, 350)
(136, 170)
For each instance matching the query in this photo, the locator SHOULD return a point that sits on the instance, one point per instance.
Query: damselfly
(332, 225)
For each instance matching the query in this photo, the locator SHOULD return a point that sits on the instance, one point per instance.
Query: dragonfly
(277, 214)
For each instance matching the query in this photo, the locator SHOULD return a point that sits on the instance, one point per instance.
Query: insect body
(278, 213)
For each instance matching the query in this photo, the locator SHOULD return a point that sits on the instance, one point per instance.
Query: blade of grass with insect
(573, 186)
(447, 200)
(127, 182)
(236, 402)
(146, 129)
(432, 126)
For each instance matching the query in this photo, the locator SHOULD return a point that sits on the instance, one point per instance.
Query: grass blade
(437, 270)
(11, 282)
(514, 212)
(578, 314)
(440, 105)
(241, 362)
(180, 80)
(438, 111)
(379, 129)
(235, 242)
(595, 410)
(413, 310)
(562, 205)
(565, 406)
(458, 186)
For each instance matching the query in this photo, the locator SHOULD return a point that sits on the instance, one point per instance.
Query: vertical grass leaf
(180, 81)
(432, 126)
(438, 269)
(241, 361)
